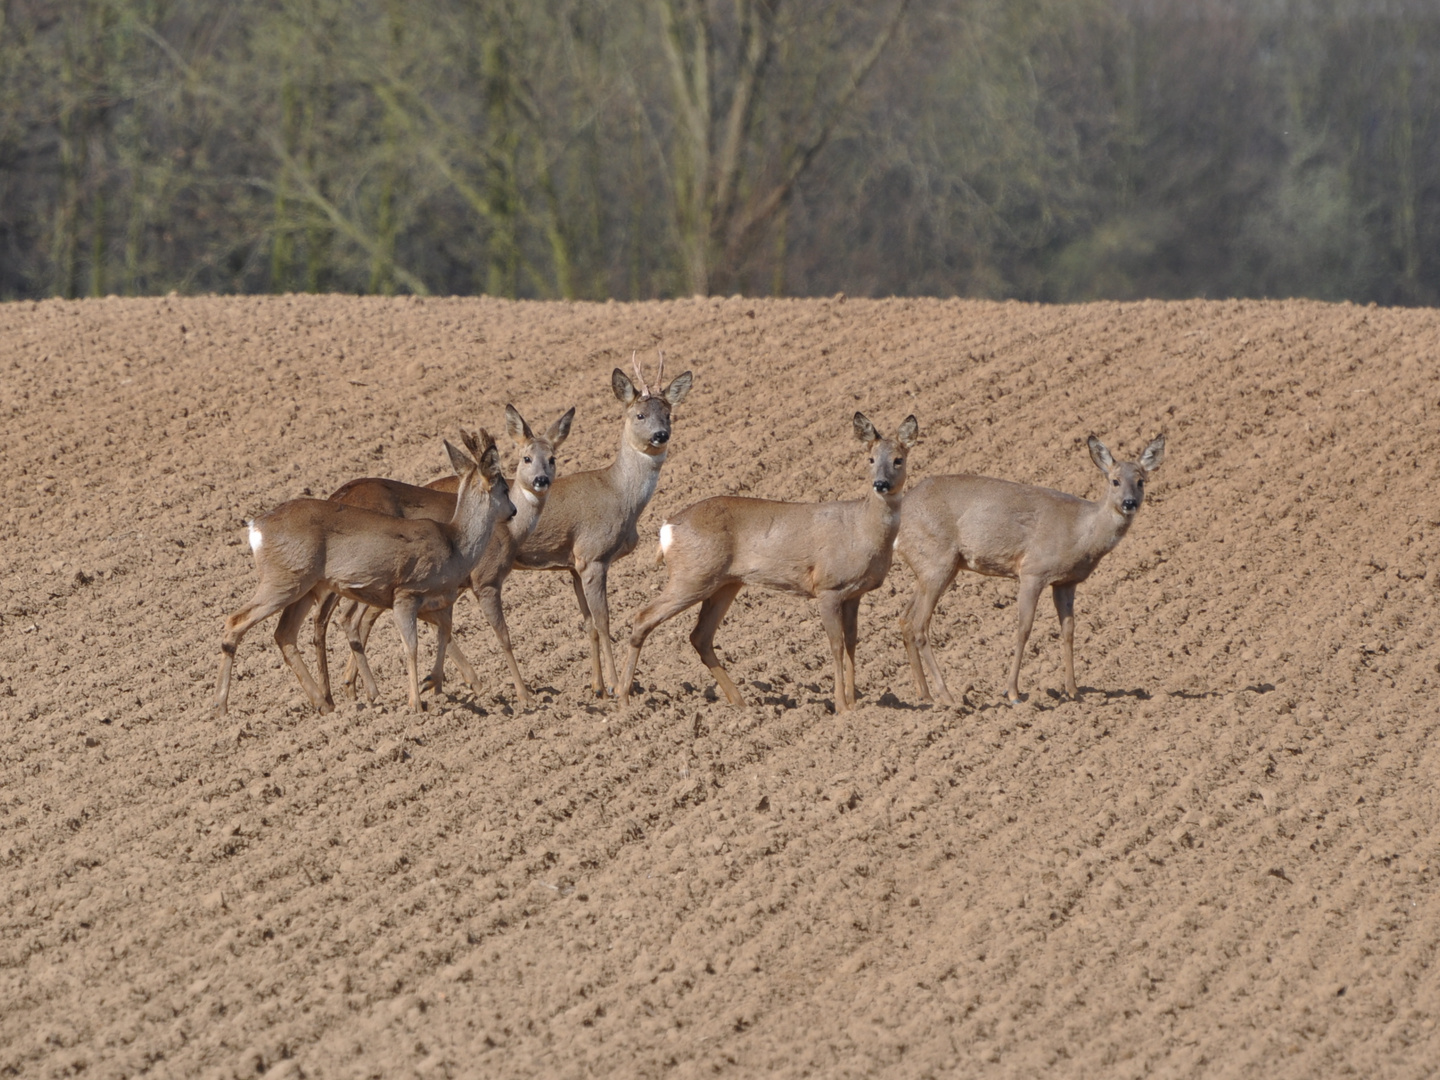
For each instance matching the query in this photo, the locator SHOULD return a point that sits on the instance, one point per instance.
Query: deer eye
(1140, 483)
(552, 462)
(872, 461)
(899, 461)
(527, 461)
(1114, 483)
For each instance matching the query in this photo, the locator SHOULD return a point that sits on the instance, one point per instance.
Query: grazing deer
(1001, 529)
(589, 519)
(436, 501)
(305, 548)
(834, 551)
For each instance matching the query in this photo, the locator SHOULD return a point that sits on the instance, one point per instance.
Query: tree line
(1049, 150)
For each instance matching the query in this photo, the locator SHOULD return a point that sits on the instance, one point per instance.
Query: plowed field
(1221, 861)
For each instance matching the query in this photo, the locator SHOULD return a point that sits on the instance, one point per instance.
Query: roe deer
(305, 548)
(834, 551)
(1002, 529)
(589, 519)
(436, 500)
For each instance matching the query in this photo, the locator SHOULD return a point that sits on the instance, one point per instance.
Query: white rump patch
(667, 537)
(255, 538)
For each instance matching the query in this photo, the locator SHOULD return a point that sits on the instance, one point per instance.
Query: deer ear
(623, 387)
(1154, 454)
(678, 388)
(516, 427)
(560, 429)
(909, 431)
(490, 461)
(1098, 454)
(460, 461)
(864, 430)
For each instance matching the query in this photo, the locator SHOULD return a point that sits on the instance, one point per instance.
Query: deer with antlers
(306, 548)
(1038, 536)
(834, 551)
(529, 489)
(590, 518)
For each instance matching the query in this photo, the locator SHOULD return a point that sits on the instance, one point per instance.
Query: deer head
(647, 420)
(1126, 490)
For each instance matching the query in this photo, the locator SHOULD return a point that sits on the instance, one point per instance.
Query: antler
(634, 359)
(660, 375)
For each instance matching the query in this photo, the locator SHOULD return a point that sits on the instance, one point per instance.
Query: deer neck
(1104, 527)
(881, 515)
(473, 521)
(528, 505)
(634, 475)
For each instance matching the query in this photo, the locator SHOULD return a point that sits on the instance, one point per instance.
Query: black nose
(660, 438)
(1131, 504)
(882, 486)
(512, 513)
(540, 483)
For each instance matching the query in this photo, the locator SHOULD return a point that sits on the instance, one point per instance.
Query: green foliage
(1041, 149)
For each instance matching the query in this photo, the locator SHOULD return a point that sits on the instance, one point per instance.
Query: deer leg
(712, 613)
(1064, 597)
(597, 682)
(322, 633)
(593, 578)
(662, 609)
(405, 614)
(490, 603)
(441, 620)
(1029, 595)
(452, 650)
(362, 619)
(350, 610)
(286, 633)
(265, 603)
(915, 631)
(361, 666)
(461, 661)
(833, 620)
(850, 612)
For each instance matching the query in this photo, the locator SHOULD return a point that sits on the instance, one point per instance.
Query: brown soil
(1221, 861)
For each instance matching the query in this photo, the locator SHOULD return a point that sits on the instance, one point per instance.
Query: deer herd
(378, 544)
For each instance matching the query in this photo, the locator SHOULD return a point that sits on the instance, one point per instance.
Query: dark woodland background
(1040, 149)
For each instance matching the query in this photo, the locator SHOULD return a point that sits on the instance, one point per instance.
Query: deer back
(399, 499)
